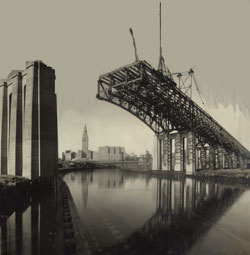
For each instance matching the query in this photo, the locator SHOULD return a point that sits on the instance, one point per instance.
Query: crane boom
(136, 55)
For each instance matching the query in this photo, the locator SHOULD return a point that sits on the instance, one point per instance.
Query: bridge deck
(155, 99)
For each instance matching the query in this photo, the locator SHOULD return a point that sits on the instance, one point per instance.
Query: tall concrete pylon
(28, 122)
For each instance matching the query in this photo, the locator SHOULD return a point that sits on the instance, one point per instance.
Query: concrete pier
(184, 152)
(28, 122)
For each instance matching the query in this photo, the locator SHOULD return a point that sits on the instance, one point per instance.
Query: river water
(30, 229)
(130, 213)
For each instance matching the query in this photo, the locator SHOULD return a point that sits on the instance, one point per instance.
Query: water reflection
(30, 227)
(126, 213)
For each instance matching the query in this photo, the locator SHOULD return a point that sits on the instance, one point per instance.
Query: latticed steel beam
(155, 99)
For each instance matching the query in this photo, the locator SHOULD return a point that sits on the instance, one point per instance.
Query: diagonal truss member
(155, 99)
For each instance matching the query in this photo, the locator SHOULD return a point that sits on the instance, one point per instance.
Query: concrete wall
(14, 134)
(28, 107)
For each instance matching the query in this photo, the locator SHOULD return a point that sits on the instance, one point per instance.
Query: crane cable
(199, 93)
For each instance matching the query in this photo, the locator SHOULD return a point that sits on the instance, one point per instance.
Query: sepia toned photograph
(124, 127)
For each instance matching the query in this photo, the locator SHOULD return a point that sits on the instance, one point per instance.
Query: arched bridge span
(156, 100)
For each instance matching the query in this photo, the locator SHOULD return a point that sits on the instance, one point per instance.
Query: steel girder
(155, 99)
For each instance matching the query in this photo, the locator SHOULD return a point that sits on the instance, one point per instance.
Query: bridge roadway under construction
(187, 137)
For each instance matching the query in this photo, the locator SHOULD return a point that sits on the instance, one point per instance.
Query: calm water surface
(30, 229)
(127, 213)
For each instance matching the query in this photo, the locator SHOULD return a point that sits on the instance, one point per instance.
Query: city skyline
(85, 35)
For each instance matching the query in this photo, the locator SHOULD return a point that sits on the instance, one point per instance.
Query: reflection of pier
(29, 229)
(185, 210)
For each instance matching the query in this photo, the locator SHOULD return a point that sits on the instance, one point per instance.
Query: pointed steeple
(85, 141)
(85, 130)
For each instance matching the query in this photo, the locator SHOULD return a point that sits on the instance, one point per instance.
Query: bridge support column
(225, 159)
(190, 153)
(233, 161)
(178, 154)
(156, 154)
(243, 162)
(160, 152)
(206, 157)
(203, 158)
(220, 153)
(211, 158)
(165, 156)
(248, 163)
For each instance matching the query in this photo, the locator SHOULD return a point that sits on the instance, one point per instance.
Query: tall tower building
(28, 122)
(85, 142)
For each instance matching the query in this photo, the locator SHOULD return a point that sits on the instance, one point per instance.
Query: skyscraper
(85, 142)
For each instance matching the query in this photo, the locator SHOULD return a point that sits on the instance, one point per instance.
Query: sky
(82, 39)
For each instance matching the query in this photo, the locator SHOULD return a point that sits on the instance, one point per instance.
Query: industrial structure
(28, 122)
(187, 137)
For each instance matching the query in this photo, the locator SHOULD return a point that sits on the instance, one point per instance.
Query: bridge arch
(155, 99)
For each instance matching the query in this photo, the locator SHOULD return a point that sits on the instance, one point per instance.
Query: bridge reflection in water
(127, 213)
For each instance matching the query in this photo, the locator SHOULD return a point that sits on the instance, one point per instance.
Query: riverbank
(14, 193)
(70, 236)
(11, 180)
(229, 176)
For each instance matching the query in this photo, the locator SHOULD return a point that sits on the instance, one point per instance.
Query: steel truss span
(155, 99)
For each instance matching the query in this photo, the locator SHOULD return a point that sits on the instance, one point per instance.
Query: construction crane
(133, 38)
(162, 67)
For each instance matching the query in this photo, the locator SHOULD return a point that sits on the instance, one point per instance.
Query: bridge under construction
(187, 137)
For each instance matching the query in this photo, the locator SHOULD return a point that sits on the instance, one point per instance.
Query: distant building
(109, 153)
(95, 156)
(147, 158)
(80, 154)
(85, 143)
(131, 157)
(68, 155)
(84, 153)
(104, 153)
(90, 155)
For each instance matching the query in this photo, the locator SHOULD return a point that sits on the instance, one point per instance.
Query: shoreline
(225, 176)
(70, 237)
(231, 177)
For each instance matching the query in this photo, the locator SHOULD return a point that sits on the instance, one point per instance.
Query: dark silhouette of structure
(188, 138)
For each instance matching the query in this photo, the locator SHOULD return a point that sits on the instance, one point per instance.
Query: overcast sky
(83, 39)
